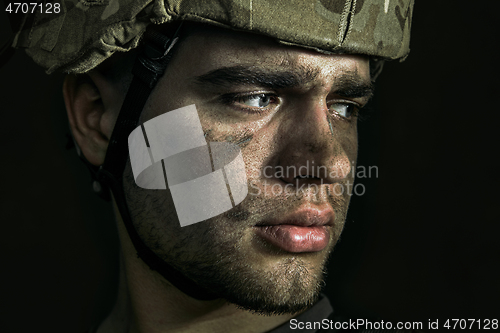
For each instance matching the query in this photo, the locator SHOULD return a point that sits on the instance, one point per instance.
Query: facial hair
(224, 256)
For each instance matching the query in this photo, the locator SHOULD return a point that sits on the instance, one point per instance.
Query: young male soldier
(281, 83)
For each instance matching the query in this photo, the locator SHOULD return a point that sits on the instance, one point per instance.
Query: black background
(421, 243)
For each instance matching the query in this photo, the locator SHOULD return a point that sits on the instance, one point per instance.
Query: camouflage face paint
(170, 152)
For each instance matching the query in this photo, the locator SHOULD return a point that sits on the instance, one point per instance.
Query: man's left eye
(344, 109)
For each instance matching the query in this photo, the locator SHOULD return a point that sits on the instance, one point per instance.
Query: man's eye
(344, 109)
(257, 101)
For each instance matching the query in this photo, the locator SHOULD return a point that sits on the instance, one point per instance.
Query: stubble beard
(219, 254)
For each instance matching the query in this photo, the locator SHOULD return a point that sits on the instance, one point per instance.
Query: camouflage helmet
(84, 33)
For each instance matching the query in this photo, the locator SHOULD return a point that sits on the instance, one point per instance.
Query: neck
(148, 303)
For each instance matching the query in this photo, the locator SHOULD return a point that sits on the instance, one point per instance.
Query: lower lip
(294, 238)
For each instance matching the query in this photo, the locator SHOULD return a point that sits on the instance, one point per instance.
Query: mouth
(303, 230)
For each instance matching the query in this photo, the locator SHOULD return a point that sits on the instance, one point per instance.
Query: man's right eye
(256, 101)
(251, 103)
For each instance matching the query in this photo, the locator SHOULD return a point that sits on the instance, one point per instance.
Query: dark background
(422, 243)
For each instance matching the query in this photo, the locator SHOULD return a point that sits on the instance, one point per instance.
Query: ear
(92, 105)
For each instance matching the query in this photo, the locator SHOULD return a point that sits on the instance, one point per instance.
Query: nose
(314, 145)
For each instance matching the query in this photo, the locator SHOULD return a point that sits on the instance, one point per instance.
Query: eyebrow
(349, 85)
(247, 75)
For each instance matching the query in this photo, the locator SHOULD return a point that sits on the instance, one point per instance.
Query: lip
(304, 230)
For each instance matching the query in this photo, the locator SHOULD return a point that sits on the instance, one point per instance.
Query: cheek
(346, 134)
(255, 139)
(258, 153)
(350, 142)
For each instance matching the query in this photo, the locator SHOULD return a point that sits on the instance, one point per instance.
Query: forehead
(210, 48)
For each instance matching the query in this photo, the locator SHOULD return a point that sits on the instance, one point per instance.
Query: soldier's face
(293, 114)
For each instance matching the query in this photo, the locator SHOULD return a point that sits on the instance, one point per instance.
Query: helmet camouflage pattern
(86, 32)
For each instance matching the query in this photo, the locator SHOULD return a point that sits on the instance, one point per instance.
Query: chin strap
(148, 68)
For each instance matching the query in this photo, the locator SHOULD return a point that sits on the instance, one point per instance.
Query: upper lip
(304, 217)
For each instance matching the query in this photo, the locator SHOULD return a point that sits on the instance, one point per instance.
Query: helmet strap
(149, 66)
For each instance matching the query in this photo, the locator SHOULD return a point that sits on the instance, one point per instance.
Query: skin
(261, 286)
